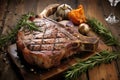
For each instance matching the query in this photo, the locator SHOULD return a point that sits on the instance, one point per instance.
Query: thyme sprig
(100, 29)
(82, 66)
(23, 22)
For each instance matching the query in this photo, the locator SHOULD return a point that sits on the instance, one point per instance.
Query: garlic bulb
(83, 28)
(62, 11)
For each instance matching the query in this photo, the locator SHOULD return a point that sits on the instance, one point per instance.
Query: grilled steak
(46, 49)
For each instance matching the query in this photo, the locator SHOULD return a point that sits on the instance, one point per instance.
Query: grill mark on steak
(37, 41)
(62, 40)
(28, 37)
(34, 47)
(50, 33)
(38, 36)
(43, 35)
(49, 41)
(48, 47)
(56, 30)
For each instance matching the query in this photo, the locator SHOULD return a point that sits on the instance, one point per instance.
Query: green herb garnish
(82, 66)
(23, 22)
(99, 28)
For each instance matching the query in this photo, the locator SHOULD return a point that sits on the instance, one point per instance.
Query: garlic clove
(83, 28)
(62, 12)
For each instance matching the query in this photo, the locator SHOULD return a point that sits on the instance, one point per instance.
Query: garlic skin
(62, 11)
(83, 28)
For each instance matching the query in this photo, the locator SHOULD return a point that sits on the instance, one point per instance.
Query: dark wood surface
(11, 10)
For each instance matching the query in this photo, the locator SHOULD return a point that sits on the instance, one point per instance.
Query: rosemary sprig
(23, 22)
(99, 28)
(82, 66)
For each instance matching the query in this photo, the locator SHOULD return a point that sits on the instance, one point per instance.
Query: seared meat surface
(46, 49)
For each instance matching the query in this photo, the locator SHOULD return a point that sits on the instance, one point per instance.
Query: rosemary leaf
(23, 22)
(100, 29)
(82, 66)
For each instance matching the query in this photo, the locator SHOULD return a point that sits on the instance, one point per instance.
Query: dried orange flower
(77, 16)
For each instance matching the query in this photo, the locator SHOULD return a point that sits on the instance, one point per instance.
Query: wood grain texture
(3, 7)
(115, 28)
(83, 77)
(11, 10)
(14, 9)
(7, 71)
(104, 72)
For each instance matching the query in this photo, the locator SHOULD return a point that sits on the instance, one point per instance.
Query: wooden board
(104, 72)
(54, 72)
(92, 8)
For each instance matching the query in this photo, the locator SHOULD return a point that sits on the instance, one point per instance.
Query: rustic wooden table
(11, 10)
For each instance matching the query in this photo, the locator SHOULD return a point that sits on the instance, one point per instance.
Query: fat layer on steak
(46, 49)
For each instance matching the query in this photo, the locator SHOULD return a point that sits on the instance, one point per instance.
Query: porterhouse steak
(55, 42)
